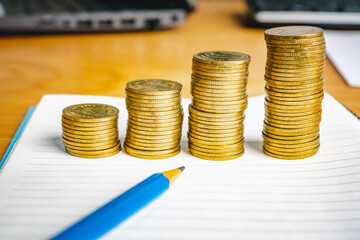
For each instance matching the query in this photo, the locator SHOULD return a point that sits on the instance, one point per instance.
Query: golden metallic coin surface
(222, 57)
(154, 87)
(90, 112)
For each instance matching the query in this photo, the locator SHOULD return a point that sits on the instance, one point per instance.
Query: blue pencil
(120, 208)
(17, 135)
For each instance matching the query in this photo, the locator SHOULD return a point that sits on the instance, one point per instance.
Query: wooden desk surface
(103, 63)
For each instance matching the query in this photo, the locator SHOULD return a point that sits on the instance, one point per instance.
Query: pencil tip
(182, 168)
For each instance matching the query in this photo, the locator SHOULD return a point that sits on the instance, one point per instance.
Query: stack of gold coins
(155, 118)
(294, 91)
(90, 130)
(219, 99)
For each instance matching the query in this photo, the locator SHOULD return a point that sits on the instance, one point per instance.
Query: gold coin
(131, 103)
(156, 125)
(104, 155)
(91, 124)
(220, 79)
(226, 95)
(293, 137)
(297, 58)
(218, 154)
(215, 121)
(215, 66)
(90, 139)
(305, 91)
(89, 133)
(207, 143)
(88, 143)
(176, 99)
(78, 128)
(150, 153)
(213, 135)
(289, 131)
(290, 156)
(291, 151)
(319, 66)
(94, 152)
(217, 98)
(151, 97)
(221, 103)
(276, 93)
(214, 69)
(293, 125)
(319, 48)
(136, 139)
(296, 103)
(293, 108)
(284, 141)
(145, 155)
(308, 41)
(146, 136)
(230, 86)
(154, 133)
(292, 83)
(216, 91)
(291, 76)
(219, 158)
(219, 83)
(291, 121)
(315, 53)
(275, 84)
(154, 87)
(174, 128)
(208, 129)
(222, 58)
(316, 70)
(170, 117)
(176, 119)
(210, 125)
(153, 109)
(286, 113)
(150, 146)
(193, 110)
(225, 74)
(215, 139)
(219, 108)
(284, 44)
(162, 114)
(216, 151)
(311, 143)
(91, 147)
(90, 112)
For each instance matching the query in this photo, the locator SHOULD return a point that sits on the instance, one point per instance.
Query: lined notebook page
(43, 189)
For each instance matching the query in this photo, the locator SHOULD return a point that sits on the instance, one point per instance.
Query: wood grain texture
(101, 64)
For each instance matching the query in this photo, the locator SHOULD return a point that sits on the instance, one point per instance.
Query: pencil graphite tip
(182, 168)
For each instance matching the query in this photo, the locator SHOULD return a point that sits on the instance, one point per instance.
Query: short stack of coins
(155, 118)
(219, 99)
(90, 130)
(294, 91)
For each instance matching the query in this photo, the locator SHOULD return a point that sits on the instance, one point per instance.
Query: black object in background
(340, 14)
(91, 15)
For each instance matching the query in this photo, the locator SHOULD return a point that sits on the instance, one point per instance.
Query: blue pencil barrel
(117, 210)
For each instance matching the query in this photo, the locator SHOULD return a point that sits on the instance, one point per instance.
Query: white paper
(43, 189)
(343, 48)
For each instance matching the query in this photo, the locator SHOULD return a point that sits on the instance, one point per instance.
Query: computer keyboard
(325, 13)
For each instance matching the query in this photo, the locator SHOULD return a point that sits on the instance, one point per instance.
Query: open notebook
(43, 189)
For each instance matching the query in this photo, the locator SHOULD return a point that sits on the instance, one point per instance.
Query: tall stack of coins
(155, 118)
(90, 130)
(219, 99)
(294, 91)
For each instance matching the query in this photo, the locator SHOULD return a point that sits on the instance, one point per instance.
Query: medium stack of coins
(155, 118)
(294, 91)
(219, 99)
(90, 130)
